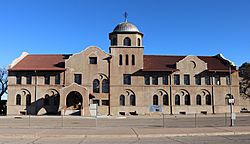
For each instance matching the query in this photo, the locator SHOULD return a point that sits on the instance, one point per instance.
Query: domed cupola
(126, 49)
(126, 34)
(126, 27)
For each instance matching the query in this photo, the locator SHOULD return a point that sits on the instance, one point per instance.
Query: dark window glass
(47, 79)
(114, 41)
(78, 78)
(177, 100)
(217, 79)
(198, 80)
(56, 99)
(28, 79)
(120, 59)
(122, 100)
(127, 41)
(28, 100)
(93, 60)
(133, 59)
(18, 79)
(186, 79)
(96, 101)
(46, 100)
(139, 42)
(177, 79)
(198, 100)
(155, 100)
(165, 80)
(57, 79)
(105, 102)
(132, 100)
(207, 80)
(155, 80)
(228, 81)
(126, 59)
(208, 99)
(187, 99)
(127, 79)
(96, 86)
(18, 99)
(105, 86)
(147, 80)
(165, 99)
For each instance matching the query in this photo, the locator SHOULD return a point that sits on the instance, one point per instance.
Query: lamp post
(231, 100)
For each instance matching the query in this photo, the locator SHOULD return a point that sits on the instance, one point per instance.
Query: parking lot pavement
(122, 132)
(39, 130)
(168, 121)
(230, 139)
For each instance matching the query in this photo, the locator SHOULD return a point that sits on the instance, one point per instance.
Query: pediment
(191, 64)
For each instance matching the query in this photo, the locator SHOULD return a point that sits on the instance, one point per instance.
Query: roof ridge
(46, 54)
(177, 55)
(166, 55)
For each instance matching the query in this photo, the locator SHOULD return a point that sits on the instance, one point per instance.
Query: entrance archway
(74, 101)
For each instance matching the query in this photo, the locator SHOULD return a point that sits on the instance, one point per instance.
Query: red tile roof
(40, 62)
(168, 63)
(214, 63)
(160, 62)
(151, 63)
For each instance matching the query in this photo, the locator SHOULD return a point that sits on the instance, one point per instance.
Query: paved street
(76, 130)
(240, 139)
(169, 121)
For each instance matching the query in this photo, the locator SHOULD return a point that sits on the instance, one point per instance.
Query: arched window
(46, 100)
(96, 86)
(133, 59)
(126, 59)
(28, 100)
(127, 41)
(177, 100)
(208, 99)
(122, 100)
(18, 99)
(56, 99)
(198, 100)
(187, 99)
(120, 59)
(155, 100)
(105, 86)
(132, 100)
(138, 42)
(165, 99)
(114, 41)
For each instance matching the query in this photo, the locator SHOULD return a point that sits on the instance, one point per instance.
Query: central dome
(125, 27)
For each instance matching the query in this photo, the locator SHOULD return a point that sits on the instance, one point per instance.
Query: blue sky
(172, 27)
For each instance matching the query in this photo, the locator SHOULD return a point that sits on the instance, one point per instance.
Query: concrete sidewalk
(120, 132)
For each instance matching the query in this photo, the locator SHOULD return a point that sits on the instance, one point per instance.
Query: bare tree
(3, 82)
(244, 72)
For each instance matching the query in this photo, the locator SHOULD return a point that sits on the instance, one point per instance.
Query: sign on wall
(155, 108)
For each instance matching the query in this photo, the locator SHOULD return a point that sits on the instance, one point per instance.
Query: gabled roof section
(48, 62)
(168, 63)
(217, 63)
(160, 62)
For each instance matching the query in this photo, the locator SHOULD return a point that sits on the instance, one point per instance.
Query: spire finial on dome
(125, 16)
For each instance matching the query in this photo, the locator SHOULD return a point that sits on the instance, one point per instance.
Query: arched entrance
(74, 101)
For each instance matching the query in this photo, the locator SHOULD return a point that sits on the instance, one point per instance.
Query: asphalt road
(177, 121)
(240, 139)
